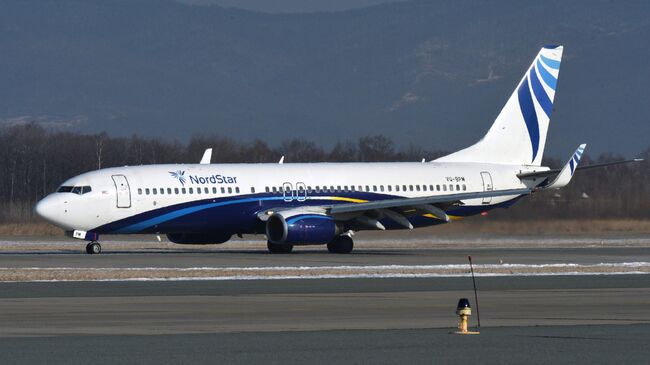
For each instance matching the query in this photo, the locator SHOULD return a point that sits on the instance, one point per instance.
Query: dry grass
(29, 229)
(548, 226)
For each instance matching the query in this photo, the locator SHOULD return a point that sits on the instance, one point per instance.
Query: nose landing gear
(93, 248)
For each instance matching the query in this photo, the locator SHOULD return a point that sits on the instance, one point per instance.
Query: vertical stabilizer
(518, 135)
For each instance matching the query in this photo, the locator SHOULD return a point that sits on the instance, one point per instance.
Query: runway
(525, 319)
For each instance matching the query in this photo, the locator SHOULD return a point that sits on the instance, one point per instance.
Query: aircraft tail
(518, 135)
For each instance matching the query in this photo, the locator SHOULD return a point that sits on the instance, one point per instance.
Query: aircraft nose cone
(45, 209)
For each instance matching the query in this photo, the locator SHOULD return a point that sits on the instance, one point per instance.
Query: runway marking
(8, 274)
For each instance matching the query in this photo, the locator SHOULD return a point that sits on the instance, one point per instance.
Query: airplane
(323, 203)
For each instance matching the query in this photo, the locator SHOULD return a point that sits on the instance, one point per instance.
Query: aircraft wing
(369, 213)
(553, 172)
(415, 202)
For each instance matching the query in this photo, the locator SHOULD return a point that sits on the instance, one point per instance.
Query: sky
(290, 6)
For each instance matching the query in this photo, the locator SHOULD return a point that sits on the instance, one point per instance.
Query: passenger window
(410, 187)
(237, 189)
(162, 191)
(396, 187)
(223, 190)
(214, 190)
(169, 191)
(381, 187)
(229, 190)
(438, 187)
(457, 187)
(146, 191)
(252, 190)
(183, 190)
(417, 187)
(190, 190)
(274, 190)
(424, 188)
(154, 191)
(374, 188)
(332, 189)
(389, 187)
(360, 188)
(444, 188)
(404, 188)
(430, 187)
(367, 188)
(464, 187)
(139, 191)
(176, 191)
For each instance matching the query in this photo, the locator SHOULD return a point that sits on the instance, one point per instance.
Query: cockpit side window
(79, 190)
(64, 189)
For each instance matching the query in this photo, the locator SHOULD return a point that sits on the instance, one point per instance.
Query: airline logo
(180, 175)
(211, 179)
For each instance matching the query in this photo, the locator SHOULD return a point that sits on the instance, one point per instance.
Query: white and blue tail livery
(518, 135)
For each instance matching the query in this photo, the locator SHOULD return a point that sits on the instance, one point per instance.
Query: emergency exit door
(123, 191)
(487, 186)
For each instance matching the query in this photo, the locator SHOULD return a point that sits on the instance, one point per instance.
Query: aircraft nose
(45, 209)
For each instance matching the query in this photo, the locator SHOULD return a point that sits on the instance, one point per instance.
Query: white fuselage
(121, 193)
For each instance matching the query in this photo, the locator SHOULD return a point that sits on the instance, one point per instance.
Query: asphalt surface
(318, 256)
(542, 319)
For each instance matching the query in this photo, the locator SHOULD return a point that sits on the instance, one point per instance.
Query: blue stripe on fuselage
(239, 214)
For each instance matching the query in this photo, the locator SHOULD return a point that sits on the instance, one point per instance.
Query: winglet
(281, 160)
(565, 175)
(207, 157)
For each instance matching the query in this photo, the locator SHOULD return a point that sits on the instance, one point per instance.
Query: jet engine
(285, 227)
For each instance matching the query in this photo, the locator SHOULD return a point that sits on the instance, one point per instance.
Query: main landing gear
(279, 247)
(341, 244)
(93, 248)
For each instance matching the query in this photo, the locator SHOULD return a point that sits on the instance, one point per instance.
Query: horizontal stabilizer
(562, 179)
(553, 172)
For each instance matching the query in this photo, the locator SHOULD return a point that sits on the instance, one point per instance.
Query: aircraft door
(487, 185)
(123, 191)
(287, 192)
(301, 191)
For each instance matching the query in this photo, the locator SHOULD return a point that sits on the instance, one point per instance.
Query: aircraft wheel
(341, 244)
(93, 248)
(279, 247)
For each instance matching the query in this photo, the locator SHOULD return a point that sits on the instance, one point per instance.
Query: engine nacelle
(198, 238)
(301, 229)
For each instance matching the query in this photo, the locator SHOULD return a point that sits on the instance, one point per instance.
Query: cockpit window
(79, 190)
(64, 189)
